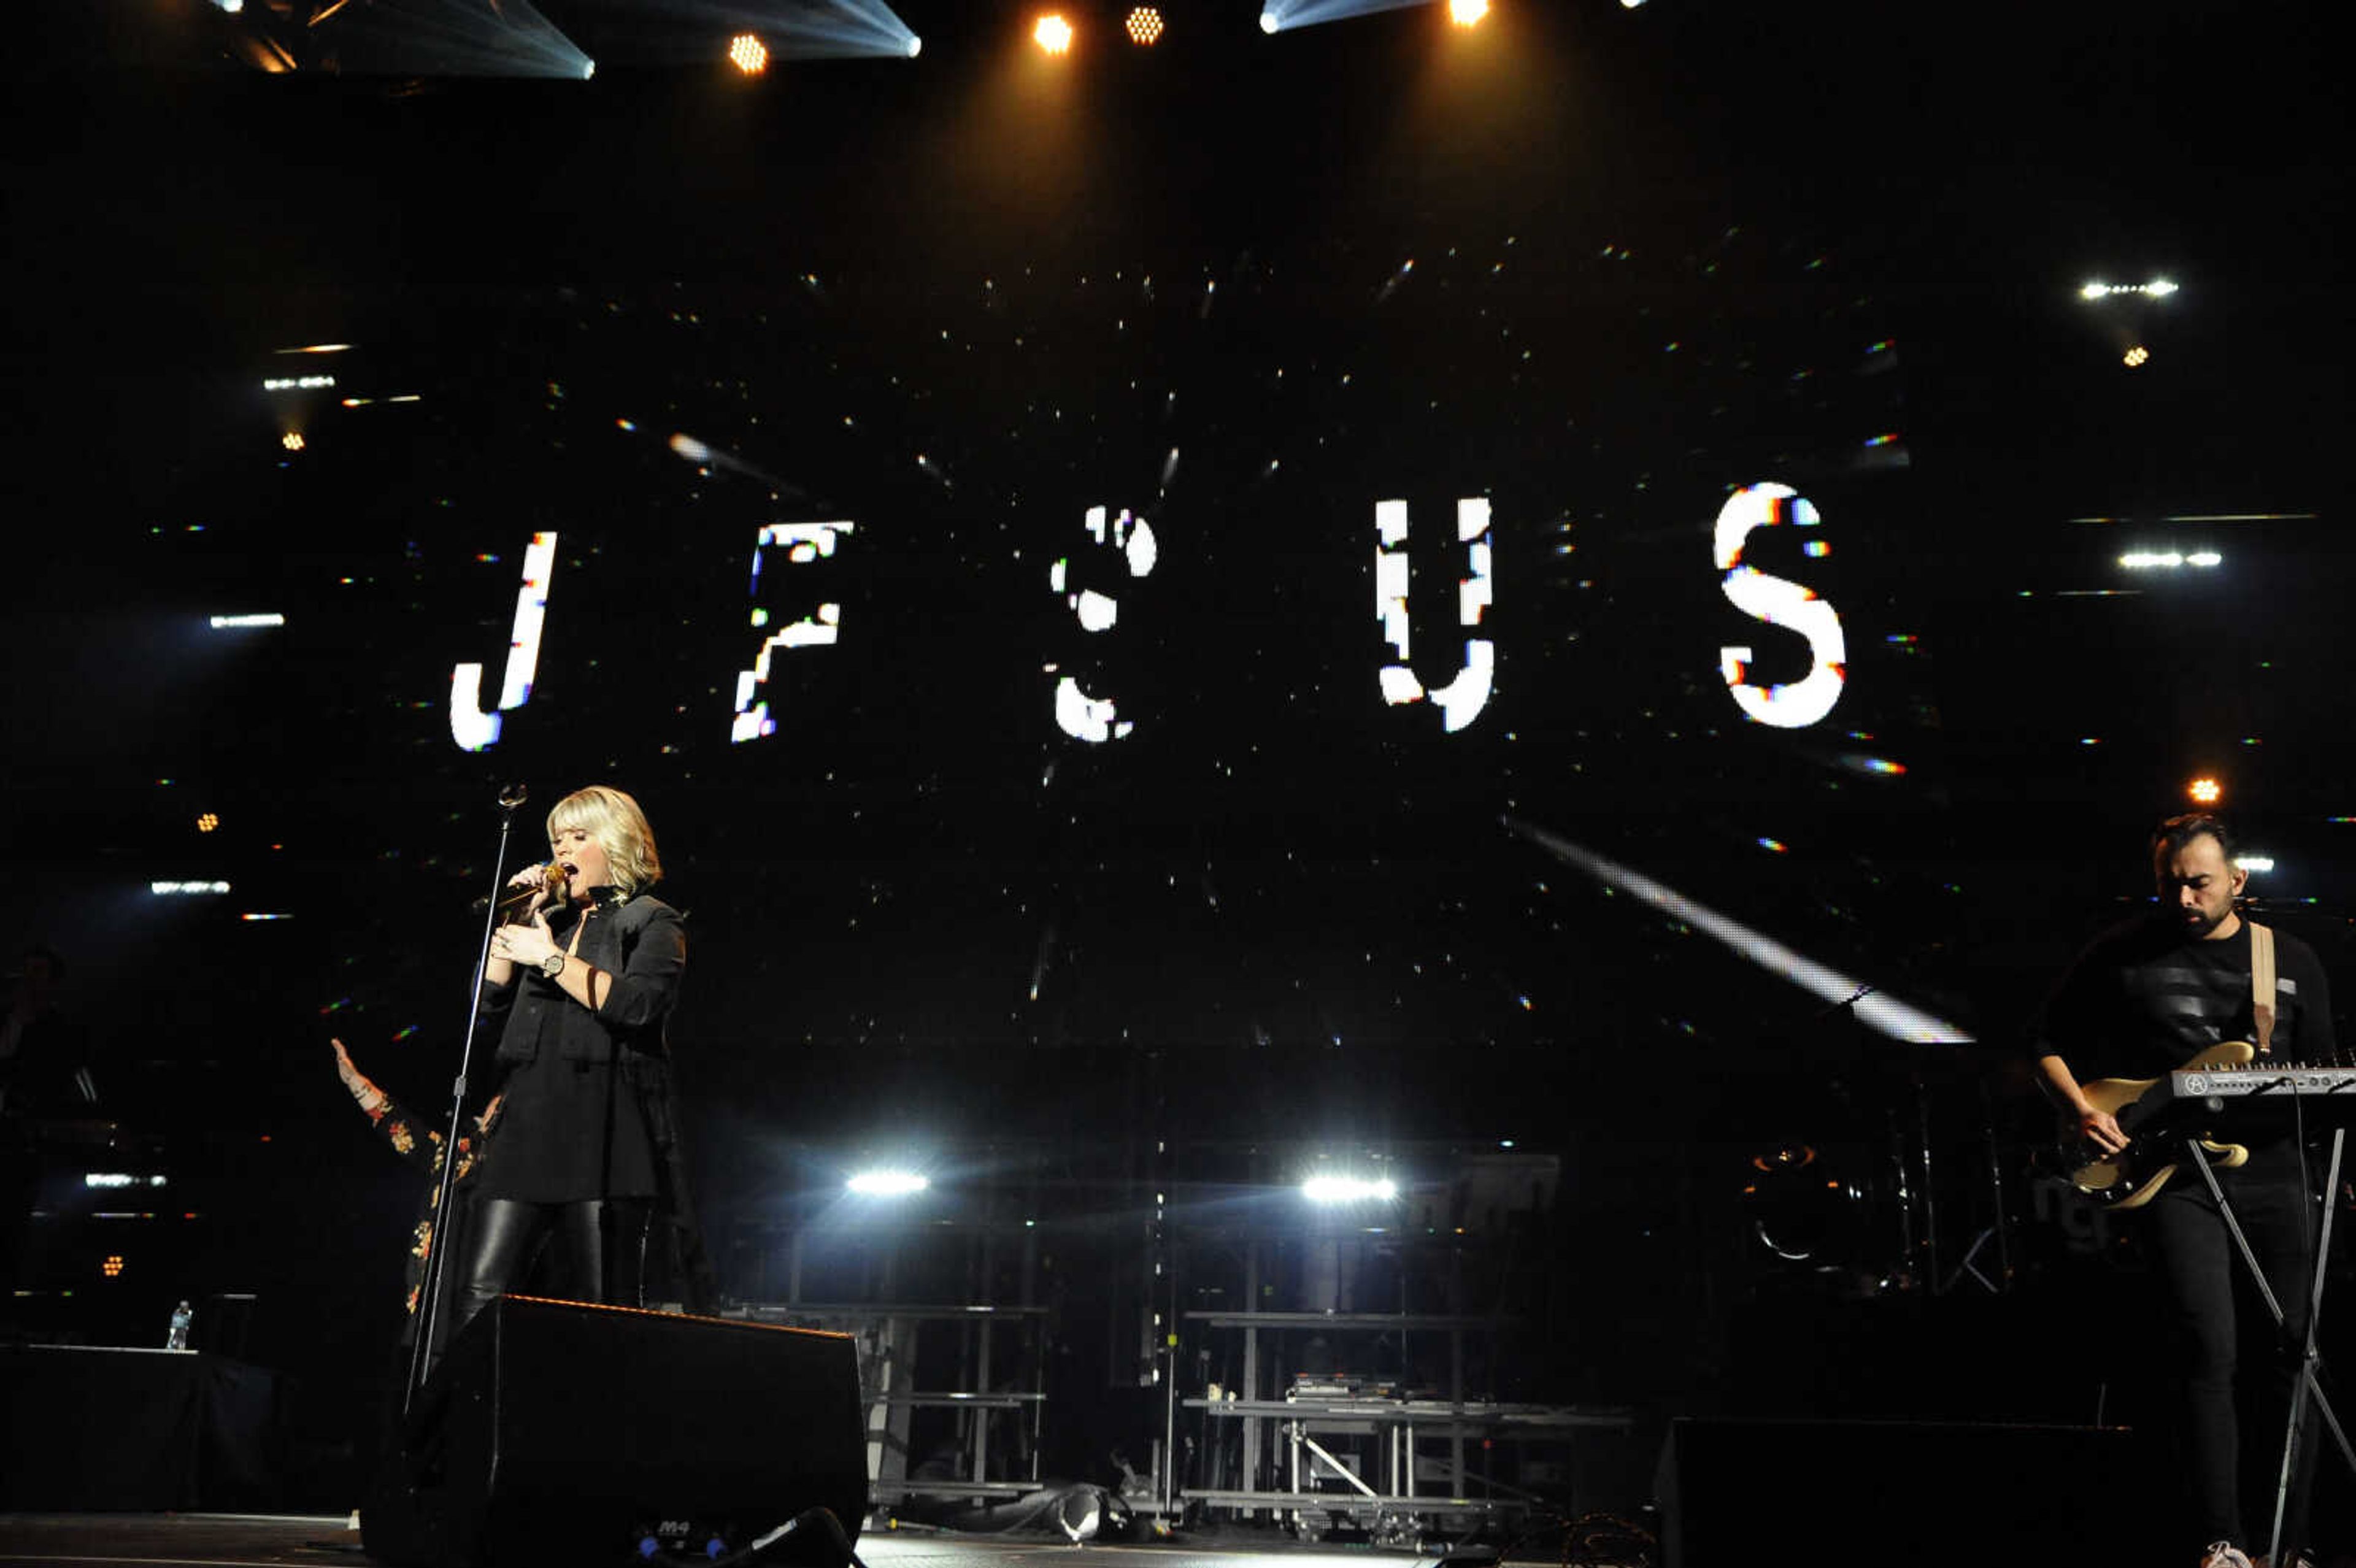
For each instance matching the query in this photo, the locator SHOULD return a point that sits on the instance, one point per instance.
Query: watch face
(552, 965)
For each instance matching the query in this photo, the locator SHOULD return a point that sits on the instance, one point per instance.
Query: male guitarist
(2147, 996)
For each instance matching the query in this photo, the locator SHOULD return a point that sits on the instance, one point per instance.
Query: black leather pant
(2237, 1372)
(598, 1250)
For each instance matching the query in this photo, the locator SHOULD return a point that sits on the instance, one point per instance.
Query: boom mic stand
(437, 1254)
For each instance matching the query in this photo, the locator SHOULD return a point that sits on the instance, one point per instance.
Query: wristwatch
(552, 965)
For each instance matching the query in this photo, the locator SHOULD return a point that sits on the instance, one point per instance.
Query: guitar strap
(2262, 985)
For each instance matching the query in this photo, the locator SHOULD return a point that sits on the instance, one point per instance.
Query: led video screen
(1419, 566)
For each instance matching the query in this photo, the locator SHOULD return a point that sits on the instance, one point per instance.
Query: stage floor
(252, 1540)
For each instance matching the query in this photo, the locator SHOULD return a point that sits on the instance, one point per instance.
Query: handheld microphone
(519, 899)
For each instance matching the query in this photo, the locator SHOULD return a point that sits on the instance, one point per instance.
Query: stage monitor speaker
(1747, 1492)
(556, 1431)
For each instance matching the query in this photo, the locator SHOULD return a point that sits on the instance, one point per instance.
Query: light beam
(451, 38)
(1882, 1013)
(1278, 16)
(827, 30)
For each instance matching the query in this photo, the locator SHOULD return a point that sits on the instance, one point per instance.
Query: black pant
(598, 1250)
(2219, 1322)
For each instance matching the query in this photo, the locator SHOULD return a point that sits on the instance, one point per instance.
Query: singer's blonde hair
(612, 819)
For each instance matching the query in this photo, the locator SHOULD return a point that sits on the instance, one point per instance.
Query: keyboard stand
(2310, 1360)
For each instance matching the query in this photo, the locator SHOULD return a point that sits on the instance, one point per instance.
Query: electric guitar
(2134, 1177)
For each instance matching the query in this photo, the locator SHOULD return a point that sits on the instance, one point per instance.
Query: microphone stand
(437, 1254)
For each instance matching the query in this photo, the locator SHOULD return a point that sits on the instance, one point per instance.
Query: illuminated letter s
(1079, 715)
(1779, 603)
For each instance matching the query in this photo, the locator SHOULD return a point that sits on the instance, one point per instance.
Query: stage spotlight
(839, 29)
(2136, 356)
(292, 441)
(886, 1183)
(1144, 26)
(1348, 1190)
(433, 37)
(1466, 13)
(1280, 16)
(748, 54)
(207, 822)
(2254, 862)
(2205, 791)
(1054, 34)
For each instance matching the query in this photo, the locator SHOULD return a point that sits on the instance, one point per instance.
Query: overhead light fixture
(1349, 1189)
(1054, 34)
(2168, 560)
(886, 1183)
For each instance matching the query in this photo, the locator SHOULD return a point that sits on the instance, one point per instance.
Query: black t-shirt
(2141, 1000)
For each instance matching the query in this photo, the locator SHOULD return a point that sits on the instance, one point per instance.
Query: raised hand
(367, 1094)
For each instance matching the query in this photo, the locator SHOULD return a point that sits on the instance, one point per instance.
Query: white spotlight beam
(456, 37)
(1883, 1013)
(831, 29)
(1278, 16)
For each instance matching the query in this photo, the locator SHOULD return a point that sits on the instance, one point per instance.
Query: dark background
(1657, 254)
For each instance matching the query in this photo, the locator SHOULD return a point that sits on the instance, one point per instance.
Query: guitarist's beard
(2193, 925)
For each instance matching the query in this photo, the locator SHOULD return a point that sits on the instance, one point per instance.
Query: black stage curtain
(121, 1430)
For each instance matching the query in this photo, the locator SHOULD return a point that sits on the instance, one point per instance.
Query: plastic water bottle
(178, 1340)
